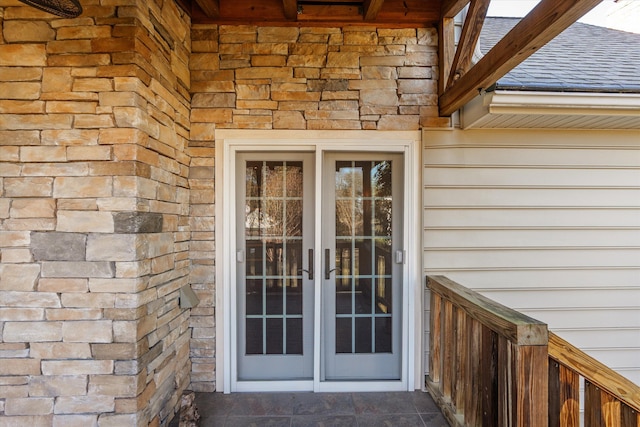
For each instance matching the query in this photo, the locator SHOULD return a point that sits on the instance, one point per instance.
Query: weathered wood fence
(493, 366)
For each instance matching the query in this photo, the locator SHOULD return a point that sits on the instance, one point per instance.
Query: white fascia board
(544, 103)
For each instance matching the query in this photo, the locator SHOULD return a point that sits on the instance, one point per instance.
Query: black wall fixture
(63, 8)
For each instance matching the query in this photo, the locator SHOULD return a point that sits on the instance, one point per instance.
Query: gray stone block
(56, 246)
(137, 222)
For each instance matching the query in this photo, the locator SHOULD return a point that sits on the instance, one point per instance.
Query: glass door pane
(363, 291)
(274, 293)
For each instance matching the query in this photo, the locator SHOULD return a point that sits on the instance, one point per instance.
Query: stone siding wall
(247, 77)
(94, 204)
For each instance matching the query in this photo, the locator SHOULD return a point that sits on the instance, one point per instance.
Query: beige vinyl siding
(546, 222)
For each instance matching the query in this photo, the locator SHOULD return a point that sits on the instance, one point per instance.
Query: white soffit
(502, 109)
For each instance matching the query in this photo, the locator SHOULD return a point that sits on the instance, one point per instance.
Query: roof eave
(527, 105)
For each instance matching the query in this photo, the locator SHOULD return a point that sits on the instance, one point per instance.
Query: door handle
(310, 270)
(327, 268)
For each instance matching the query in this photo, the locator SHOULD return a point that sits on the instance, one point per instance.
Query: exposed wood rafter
(450, 8)
(371, 9)
(468, 40)
(548, 19)
(290, 9)
(211, 8)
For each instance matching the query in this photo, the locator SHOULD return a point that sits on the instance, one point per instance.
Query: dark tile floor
(394, 409)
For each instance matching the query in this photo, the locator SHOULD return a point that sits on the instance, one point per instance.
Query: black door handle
(310, 270)
(327, 268)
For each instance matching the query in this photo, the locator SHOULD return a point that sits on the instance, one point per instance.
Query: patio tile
(383, 403)
(434, 420)
(323, 404)
(390, 420)
(258, 404)
(324, 421)
(233, 421)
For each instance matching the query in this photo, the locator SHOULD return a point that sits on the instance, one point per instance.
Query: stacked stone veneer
(247, 77)
(94, 205)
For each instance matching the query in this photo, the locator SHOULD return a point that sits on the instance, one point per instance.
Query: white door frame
(228, 143)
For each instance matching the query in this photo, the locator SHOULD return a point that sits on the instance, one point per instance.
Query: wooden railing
(492, 366)
(609, 398)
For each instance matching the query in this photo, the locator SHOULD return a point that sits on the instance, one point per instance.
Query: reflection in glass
(363, 256)
(273, 243)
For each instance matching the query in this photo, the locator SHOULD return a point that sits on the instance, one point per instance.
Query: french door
(334, 258)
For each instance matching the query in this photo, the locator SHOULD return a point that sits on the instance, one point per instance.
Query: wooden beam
(290, 9)
(447, 50)
(548, 19)
(468, 40)
(450, 8)
(211, 8)
(371, 9)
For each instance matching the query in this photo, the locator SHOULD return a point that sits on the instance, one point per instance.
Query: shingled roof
(583, 58)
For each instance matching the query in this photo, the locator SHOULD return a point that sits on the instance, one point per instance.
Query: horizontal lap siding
(546, 222)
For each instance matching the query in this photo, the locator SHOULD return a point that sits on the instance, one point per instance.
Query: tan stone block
(332, 114)
(55, 169)
(67, 187)
(264, 73)
(136, 118)
(77, 269)
(32, 331)
(82, 60)
(20, 366)
(68, 46)
(30, 299)
(89, 153)
(419, 99)
(118, 204)
(28, 31)
(399, 123)
(56, 79)
(115, 247)
(79, 300)
(18, 277)
(9, 154)
(213, 86)
(379, 97)
(70, 137)
(340, 73)
(10, 255)
(268, 60)
(73, 314)
(43, 154)
(71, 107)
(21, 314)
(28, 406)
(19, 90)
(92, 85)
(84, 32)
(212, 115)
(58, 385)
(28, 187)
(428, 36)
(113, 44)
(257, 105)
(122, 136)
(33, 208)
(419, 86)
(77, 367)
(76, 421)
(33, 224)
(59, 350)
(93, 121)
(35, 121)
(252, 91)
(20, 74)
(343, 60)
(122, 99)
(96, 331)
(28, 55)
(84, 404)
(204, 61)
(296, 96)
(333, 124)
(114, 351)
(113, 385)
(19, 138)
(21, 107)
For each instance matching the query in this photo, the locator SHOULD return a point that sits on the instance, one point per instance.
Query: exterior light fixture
(63, 8)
